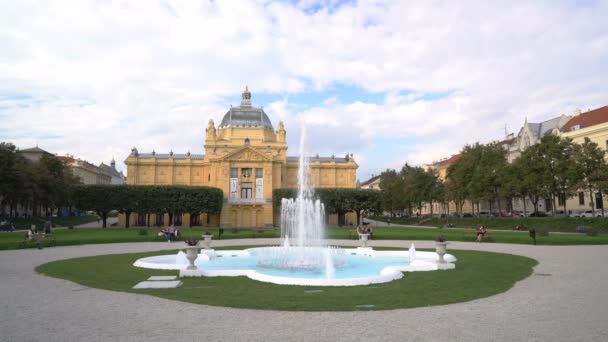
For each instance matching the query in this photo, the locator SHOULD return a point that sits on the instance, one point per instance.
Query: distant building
(87, 172)
(372, 183)
(33, 154)
(531, 133)
(116, 178)
(592, 124)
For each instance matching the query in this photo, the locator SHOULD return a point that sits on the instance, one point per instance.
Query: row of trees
(338, 200)
(146, 199)
(554, 168)
(40, 186)
(410, 188)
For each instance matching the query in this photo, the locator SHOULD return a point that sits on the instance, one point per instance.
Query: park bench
(46, 240)
(472, 233)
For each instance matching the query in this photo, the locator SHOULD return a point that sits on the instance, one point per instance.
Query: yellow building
(592, 124)
(246, 158)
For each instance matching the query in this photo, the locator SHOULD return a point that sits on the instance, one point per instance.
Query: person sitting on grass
(481, 231)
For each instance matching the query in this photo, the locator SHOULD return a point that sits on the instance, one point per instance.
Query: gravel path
(566, 300)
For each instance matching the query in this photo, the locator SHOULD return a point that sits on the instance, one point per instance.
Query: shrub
(70, 226)
(142, 231)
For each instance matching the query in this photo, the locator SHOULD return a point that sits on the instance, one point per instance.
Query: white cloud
(96, 78)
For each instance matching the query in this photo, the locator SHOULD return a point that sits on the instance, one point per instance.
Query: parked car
(562, 213)
(7, 226)
(589, 213)
(484, 214)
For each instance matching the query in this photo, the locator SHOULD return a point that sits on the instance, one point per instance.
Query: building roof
(321, 159)
(540, 129)
(449, 161)
(107, 169)
(34, 150)
(246, 115)
(590, 118)
(171, 155)
(371, 180)
(67, 159)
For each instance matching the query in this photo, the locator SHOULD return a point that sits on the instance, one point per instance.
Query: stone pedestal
(191, 255)
(440, 249)
(207, 241)
(364, 238)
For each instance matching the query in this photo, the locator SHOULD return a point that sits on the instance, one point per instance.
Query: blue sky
(391, 82)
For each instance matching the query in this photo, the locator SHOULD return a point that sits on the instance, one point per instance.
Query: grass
(554, 224)
(66, 237)
(477, 275)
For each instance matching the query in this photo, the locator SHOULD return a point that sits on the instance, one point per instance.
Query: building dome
(246, 115)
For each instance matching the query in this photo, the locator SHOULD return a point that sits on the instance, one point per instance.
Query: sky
(389, 81)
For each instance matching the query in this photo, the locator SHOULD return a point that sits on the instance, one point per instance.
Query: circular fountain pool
(333, 267)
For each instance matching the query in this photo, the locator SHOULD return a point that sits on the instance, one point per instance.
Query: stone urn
(440, 249)
(364, 238)
(207, 240)
(191, 255)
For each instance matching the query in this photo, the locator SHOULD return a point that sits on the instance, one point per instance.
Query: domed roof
(246, 115)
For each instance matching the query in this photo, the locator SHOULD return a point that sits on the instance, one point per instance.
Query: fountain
(303, 257)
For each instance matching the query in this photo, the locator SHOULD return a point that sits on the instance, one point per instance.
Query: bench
(45, 240)
(466, 233)
(162, 237)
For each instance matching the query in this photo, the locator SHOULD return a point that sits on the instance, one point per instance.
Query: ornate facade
(246, 158)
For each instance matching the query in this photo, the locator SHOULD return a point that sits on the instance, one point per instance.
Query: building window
(606, 145)
(246, 190)
(599, 200)
(259, 173)
(234, 172)
(209, 178)
(561, 199)
(247, 141)
(581, 198)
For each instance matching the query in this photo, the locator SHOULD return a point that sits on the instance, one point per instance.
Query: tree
(100, 198)
(361, 200)
(562, 172)
(594, 170)
(392, 186)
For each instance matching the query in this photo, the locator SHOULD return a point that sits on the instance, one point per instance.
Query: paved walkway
(566, 300)
(95, 224)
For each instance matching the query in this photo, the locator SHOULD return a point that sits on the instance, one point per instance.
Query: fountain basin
(356, 266)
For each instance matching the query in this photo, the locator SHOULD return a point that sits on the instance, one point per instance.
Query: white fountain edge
(425, 261)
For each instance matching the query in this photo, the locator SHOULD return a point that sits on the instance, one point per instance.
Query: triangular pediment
(246, 153)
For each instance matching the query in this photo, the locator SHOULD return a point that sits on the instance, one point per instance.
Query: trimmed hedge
(147, 199)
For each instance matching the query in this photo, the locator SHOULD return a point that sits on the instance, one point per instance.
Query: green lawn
(477, 275)
(65, 237)
(554, 224)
